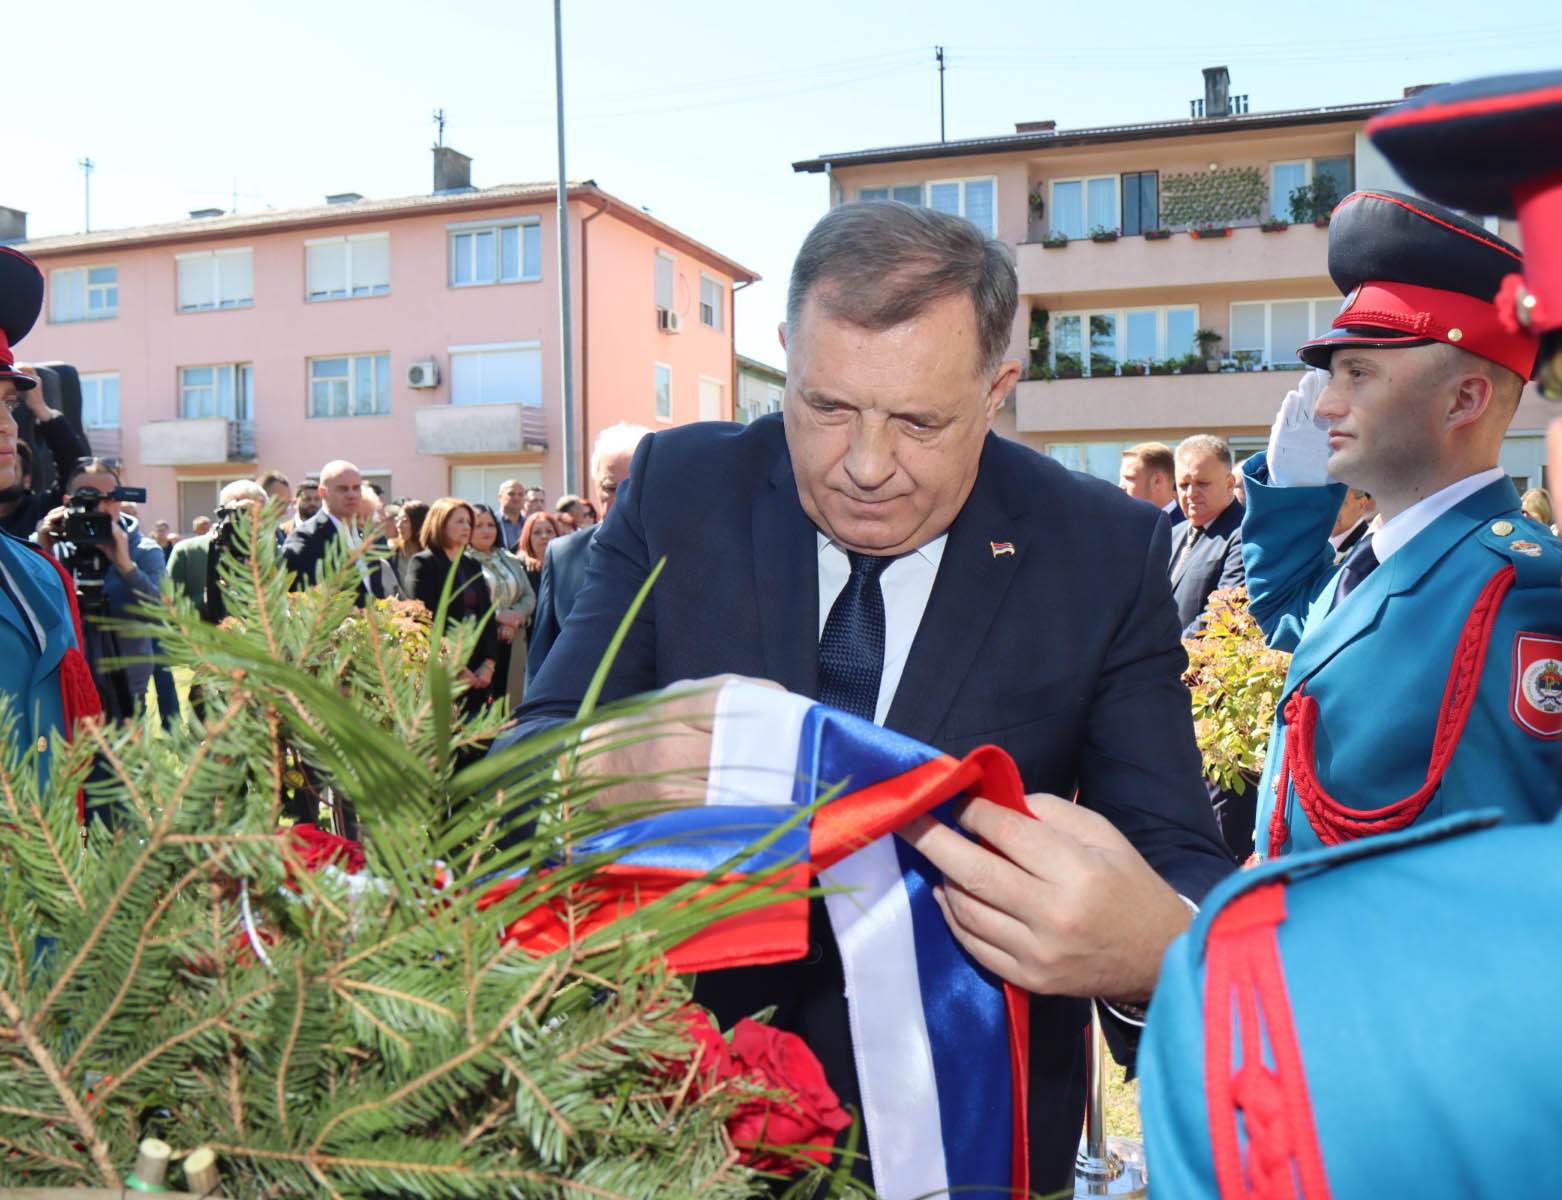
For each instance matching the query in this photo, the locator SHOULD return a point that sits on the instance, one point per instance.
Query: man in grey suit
(1207, 550)
(564, 561)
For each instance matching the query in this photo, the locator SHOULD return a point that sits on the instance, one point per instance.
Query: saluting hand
(1298, 454)
(1060, 905)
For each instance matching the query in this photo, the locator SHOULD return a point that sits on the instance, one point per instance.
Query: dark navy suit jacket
(1066, 653)
(1214, 562)
(563, 575)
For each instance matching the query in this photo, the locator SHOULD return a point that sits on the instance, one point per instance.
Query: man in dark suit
(1148, 472)
(877, 547)
(1207, 552)
(1357, 512)
(564, 561)
(341, 496)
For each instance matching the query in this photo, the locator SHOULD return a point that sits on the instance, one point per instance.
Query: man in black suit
(877, 547)
(1148, 472)
(564, 561)
(341, 497)
(1357, 512)
(1207, 552)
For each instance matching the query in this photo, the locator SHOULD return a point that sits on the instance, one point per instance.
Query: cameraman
(21, 508)
(112, 576)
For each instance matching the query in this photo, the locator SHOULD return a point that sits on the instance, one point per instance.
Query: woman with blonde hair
(1536, 505)
(514, 601)
(446, 531)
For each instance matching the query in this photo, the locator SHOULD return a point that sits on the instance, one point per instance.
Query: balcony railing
(197, 441)
(462, 429)
(1121, 403)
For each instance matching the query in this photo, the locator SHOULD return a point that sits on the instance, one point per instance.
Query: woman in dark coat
(446, 532)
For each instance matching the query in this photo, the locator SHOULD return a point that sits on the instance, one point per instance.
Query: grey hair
(241, 490)
(879, 263)
(1206, 443)
(621, 438)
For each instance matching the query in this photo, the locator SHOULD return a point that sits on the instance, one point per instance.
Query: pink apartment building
(1114, 283)
(418, 337)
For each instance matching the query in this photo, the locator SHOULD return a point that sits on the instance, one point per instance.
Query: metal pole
(566, 322)
(1104, 1166)
(939, 54)
(86, 177)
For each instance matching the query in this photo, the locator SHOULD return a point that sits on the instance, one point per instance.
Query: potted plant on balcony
(1202, 232)
(1209, 348)
(1163, 366)
(1067, 366)
(1039, 369)
(1247, 360)
(1053, 240)
(1156, 235)
(1315, 201)
(1038, 202)
(1275, 226)
(1038, 333)
(1101, 233)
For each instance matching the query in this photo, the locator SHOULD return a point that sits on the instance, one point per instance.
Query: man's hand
(119, 548)
(33, 396)
(1061, 905)
(662, 755)
(1298, 446)
(52, 528)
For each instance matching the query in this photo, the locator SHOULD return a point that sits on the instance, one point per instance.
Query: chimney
(200, 214)
(344, 198)
(452, 171)
(1217, 83)
(1035, 126)
(13, 225)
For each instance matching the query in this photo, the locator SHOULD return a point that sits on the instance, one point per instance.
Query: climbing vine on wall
(1202, 198)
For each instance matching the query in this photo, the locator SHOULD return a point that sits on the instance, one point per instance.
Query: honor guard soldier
(45, 684)
(1426, 675)
(1377, 1019)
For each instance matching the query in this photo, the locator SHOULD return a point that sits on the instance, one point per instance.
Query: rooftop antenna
(439, 125)
(86, 165)
(938, 53)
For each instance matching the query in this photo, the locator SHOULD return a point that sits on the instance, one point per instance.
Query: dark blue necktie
(1361, 562)
(851, 648)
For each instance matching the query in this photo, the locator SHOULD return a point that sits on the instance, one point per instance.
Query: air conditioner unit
(423, 374)
(668, 321)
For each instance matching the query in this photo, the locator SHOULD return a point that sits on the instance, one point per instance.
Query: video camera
(87, 530)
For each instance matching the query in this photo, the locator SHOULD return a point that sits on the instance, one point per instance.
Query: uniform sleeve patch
(1537, 684)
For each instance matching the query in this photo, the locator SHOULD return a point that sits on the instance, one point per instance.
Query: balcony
(1148, 402)
(1247, 255)
(197, 442)
(453, 430)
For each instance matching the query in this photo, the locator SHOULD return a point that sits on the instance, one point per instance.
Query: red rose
(716, 1064)
(316, 848)
(782, 1062)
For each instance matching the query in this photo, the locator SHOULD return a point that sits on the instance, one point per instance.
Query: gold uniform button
(1502, 528)
(43, 745)
(1456, 335)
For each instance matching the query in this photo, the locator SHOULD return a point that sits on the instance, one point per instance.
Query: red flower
(716, 1064)
(782, 1062)
(316, 848)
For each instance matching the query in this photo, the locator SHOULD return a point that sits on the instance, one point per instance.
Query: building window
(664, 281)
(355, 385)
(100, 400)
(710, 302)
(83, 293)
(1269, 331)
(1104, 460)
(346, 268)
(1080, 205)
(480, 484)
(773, 397)
(216, 279)
(497, 374)
(1141, 201)
(974, 199)
(908, 193)
(1096, 343)
(664, 392)
(226, 390)
(485, 253)
(1286, 177)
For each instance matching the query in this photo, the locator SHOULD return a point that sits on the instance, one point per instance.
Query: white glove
(1299, 442)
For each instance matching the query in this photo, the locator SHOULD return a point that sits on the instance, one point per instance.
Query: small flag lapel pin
(1002, 548)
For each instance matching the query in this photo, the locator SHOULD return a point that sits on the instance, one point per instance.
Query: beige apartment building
(1131, 241)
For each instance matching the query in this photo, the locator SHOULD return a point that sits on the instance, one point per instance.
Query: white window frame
(219, 303)
(494, 226)
(656, 399)
(348, 241)
(1308, 165)
(1084, 182)
(964, 181)
(719, 309)
(454, 352)
(672, 263)
(99, 378)
(1120, 337)
(890, 189)
(1331, 309)
(236, 372)
(352, 374)
(56, 290)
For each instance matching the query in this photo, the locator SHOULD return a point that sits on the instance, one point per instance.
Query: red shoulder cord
(1334, 822)
(78, 693)
(1245, 985)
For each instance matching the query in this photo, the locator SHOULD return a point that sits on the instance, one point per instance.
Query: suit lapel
(786, 578)
(967, 594)
(1327, 632)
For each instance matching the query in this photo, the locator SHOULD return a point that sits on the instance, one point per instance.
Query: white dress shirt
(349, 533)
(906, 584)
(1393, 534)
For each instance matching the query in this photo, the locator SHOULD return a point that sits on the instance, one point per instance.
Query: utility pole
(566, 324)
(439, 125)
(938, 53)
(86, 166)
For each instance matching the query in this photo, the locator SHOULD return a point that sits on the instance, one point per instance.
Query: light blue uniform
(35, 632)
(1379, 696)
(1420, 978)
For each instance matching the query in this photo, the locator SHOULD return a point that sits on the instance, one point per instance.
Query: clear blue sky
(693, 111)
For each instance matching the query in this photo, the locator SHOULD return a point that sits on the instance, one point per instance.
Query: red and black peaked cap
(1413, 273)
(21, 300)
